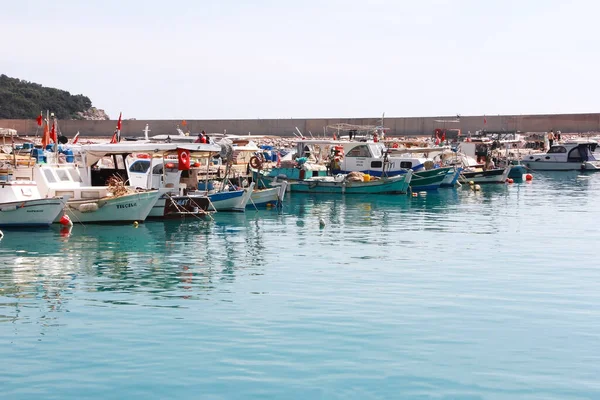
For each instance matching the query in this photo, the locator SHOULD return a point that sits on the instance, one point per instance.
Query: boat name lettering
(127, 205)
(35, 211)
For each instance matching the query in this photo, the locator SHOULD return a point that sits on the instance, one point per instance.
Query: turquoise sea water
(452, 295)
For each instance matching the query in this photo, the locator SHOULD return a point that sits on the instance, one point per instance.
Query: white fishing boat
(22, 205)
(268, 197)
(89, 203)
(568, 156)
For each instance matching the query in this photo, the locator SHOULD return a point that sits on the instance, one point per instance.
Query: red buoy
(528, 177)
(65, 220)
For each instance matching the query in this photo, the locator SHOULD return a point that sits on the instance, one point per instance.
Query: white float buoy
(1, 235)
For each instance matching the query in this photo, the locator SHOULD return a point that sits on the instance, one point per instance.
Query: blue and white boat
(232, 200)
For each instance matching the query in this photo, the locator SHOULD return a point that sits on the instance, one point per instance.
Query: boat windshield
(359, 151)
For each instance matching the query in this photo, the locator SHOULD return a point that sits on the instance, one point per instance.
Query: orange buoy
(510, 180)
(528, 177)
(170, 165)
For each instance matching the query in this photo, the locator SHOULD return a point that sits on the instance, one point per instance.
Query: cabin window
(359, 151)
(140, 166)
(49, 176)
(121, 162)
(557, 149)
(75, 175)
(574, 155)
(158, 169)
(62, 175)
(406, 164)
(376, 164)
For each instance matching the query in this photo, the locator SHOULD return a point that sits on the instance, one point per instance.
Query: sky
(225, 59)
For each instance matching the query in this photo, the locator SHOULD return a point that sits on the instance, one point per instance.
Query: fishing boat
(230, 200)
(496, 175)
(22, 205)
(166, 167)
(568, 156)
(268, 197)
(344, 184)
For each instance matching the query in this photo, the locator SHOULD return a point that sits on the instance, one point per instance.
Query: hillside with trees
(20, 99)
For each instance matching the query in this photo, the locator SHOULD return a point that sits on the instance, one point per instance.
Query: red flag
(444, 136)
(45, 137)
(484, 121)
(53, 132)
(76, 138)
(114, 138)
(39, 119)
(119, 122)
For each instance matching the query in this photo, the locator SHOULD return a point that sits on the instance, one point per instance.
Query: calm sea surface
(452, 295)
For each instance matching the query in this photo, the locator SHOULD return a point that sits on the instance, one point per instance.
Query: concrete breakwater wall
(398, 126)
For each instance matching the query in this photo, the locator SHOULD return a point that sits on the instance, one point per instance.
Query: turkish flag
(183, 157)
(39, 120)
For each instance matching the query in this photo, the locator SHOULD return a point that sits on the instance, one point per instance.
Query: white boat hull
(562, 166)
(41, 212)
(262, 197)
(127, 208)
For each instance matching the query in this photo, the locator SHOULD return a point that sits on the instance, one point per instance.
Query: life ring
(395, 145)
(255, 162)
(143, 155)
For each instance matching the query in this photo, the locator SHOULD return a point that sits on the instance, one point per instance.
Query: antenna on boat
(298, 130)
(146, 130)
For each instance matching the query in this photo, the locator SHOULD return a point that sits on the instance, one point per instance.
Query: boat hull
(517, 172)
(264, 197)
(430, 179)
(562, 166)
(235, 200)
(126, 208)
(171, 206)
(41, 212)
(451, 178)
(392, 185)
(489, 176)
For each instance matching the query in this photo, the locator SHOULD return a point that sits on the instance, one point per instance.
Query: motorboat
(573, 155)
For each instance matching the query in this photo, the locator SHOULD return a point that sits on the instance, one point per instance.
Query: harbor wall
(398, 126)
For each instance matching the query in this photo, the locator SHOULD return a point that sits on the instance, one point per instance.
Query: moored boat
(268, 197)
(22, 205)
(568, 156)
(496, 175)
(343, 185)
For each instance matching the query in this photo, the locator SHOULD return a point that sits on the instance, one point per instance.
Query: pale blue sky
(329, 58)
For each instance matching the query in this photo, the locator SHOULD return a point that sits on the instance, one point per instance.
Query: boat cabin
(571, 152)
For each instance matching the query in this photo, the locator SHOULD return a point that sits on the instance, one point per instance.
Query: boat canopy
(94, 152)
(8, 132)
